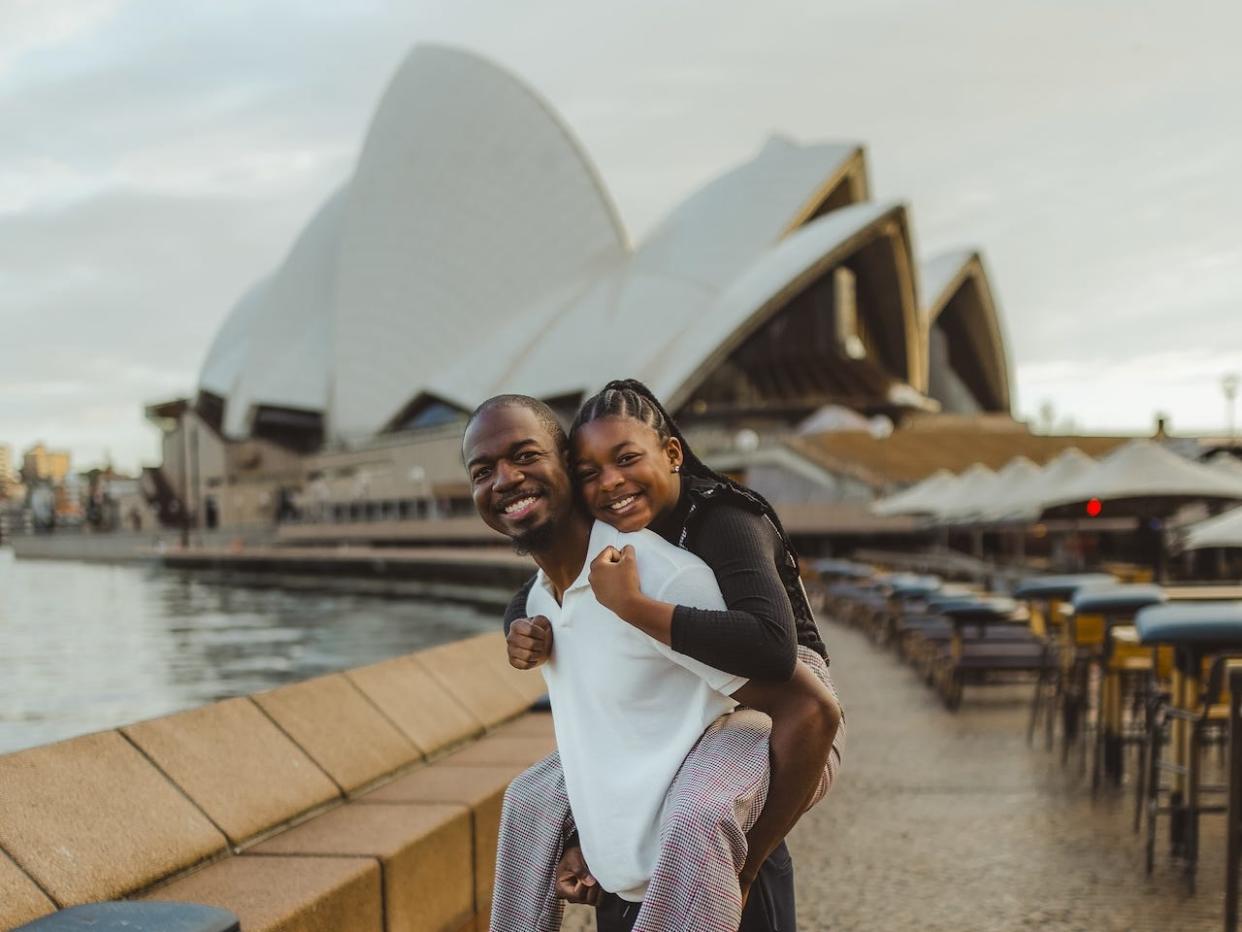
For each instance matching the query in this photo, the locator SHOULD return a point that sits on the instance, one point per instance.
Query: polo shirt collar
(601, 536)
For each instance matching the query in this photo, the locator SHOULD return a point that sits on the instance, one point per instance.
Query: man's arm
(805, 717)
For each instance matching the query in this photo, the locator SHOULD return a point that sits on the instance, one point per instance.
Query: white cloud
(30, 25)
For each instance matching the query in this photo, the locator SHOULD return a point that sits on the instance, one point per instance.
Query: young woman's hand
(574, 882)
(529, 642)
(614, 579)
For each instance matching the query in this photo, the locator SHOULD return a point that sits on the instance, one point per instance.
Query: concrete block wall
(365, 800)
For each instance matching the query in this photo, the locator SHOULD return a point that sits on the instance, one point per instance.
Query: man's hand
(614, 579)
(574, 882)
(529, 642)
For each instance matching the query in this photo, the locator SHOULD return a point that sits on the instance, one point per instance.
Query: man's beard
(533, 540)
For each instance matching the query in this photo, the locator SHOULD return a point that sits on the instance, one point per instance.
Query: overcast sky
(156, 157)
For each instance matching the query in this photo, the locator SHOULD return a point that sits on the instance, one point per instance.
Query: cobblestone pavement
(945, 821)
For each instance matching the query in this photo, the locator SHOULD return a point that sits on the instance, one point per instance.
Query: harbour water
(88, 646)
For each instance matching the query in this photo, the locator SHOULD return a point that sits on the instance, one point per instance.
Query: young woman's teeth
(623, 503)
(520, 505)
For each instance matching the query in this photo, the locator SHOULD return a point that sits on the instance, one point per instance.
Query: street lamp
(1229, 385)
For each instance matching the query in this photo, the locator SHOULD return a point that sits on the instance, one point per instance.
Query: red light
(1094, 508)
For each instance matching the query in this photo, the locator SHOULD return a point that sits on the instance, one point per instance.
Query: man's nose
(507, 476)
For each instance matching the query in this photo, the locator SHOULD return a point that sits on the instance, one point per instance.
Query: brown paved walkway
(949, 822)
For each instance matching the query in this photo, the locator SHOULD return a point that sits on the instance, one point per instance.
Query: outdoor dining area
(1134, 677)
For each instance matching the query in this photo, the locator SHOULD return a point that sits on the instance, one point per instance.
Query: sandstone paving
(943, 821)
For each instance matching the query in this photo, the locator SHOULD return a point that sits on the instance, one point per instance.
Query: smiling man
(661, 792)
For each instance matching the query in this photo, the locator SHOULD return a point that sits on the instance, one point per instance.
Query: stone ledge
(521, 750)
(416, 703)
(91, 819)
(481, 789)
(468, 671)
(333, 722)
(21, 900)
(423, 849)
(289, 894)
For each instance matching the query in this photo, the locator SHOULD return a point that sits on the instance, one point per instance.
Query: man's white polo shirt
(626, 708)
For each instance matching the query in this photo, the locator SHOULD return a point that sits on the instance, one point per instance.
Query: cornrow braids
(620, 398)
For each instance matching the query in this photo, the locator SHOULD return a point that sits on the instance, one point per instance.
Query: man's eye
(525, 457)
(481, 474)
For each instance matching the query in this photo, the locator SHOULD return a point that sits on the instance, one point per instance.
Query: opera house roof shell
(476, 250)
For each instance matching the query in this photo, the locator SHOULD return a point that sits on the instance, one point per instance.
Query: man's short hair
(546, 416)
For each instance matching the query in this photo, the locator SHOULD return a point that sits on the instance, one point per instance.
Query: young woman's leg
(715, 798)
(719, 792)
(833, 766)
(534, 823)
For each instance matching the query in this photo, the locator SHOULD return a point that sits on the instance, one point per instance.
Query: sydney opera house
(476, 249)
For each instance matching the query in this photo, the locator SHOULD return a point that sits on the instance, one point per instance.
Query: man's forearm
(805, 717)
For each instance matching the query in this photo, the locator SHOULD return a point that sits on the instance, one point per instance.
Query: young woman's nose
(609, 478)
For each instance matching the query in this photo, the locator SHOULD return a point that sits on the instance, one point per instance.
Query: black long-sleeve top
(757, 636)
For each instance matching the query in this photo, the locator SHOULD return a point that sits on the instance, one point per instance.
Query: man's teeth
(520, 504)
(622, 503)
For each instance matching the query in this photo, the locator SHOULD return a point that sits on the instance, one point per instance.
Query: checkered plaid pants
(715, 798)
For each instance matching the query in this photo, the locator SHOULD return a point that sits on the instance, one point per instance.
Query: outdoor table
(846, 569)
(989, 635)
(1195, 630)
(906, 592)
(1098, 610)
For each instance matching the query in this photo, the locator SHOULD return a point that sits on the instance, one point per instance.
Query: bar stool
(1098, 611)
(1048, 599)
(1207, 640)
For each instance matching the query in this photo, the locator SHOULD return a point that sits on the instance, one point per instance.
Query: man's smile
(519, 506)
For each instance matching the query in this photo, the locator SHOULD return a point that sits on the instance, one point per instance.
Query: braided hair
(631, 398)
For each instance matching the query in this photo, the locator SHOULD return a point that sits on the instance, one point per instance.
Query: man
(628, 711)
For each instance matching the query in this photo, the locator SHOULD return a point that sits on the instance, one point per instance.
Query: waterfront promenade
(946, 821)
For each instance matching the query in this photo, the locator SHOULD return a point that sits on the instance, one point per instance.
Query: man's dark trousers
(770, 908)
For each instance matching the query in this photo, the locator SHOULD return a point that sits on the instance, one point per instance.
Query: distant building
(476, 250)
(40, 464)
(8, 475)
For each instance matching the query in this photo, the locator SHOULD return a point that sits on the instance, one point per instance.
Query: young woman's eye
(586, 475)
(626, 458)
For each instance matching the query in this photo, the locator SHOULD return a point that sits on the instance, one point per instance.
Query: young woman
(635, 470)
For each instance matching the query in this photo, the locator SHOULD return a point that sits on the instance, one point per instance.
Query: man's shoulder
(658, 560)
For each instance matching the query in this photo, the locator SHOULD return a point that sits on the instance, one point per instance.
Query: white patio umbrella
(967, 489)
(918, 498)
(1227, 465)
(1224, 530)
(1016, 474)
(1024, 502)
(1142, 477)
